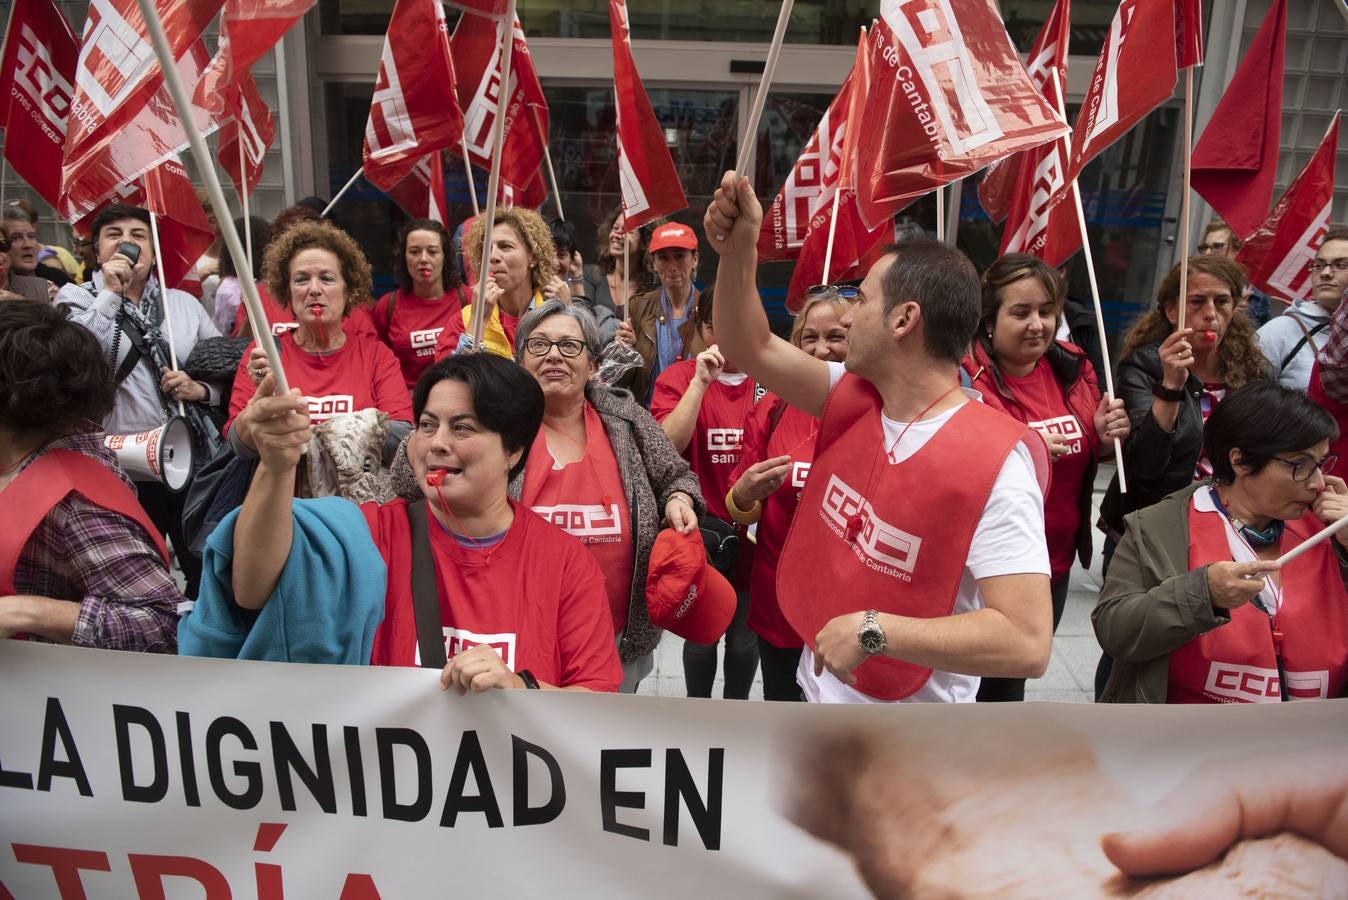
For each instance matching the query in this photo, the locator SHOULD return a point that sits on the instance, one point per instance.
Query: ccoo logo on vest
(458, 640)
(882, 547)
(1065, 427)
(724, 444)
(1233, 683)
(592, 523)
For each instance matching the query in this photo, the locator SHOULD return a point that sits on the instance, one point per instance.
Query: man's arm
(732, 224)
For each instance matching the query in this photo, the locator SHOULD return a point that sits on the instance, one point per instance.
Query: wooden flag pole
(202, 155)
(346, 187)
(1182, 303)
(1095, 287)
(164, 300)
(547, 159)
(832, 230)
(764, 83)
(494, 181)
(468, 171)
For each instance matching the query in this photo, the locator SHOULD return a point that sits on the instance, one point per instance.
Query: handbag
(216, 490)
(722, 541)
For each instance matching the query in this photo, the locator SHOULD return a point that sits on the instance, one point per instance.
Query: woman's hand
(494, 292)
(478, 669)
(1233, 584)
(258, 367)
(679, 512)
(626, 335)
(277, 427)
(1058, 446)
(1177, 358)
(1111, 421)
(759, 481)
(180, 386)
(710, 362)
(117, 273)
(1332, 504)
(557, 289)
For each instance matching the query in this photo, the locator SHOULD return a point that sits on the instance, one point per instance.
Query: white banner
(124, 775)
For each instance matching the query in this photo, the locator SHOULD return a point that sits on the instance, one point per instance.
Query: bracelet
(742, 516)
(530, 682)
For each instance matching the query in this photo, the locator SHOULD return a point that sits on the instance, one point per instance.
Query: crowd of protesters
(887, 505)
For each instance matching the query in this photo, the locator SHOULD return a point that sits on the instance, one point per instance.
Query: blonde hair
(830, 297)
(532, 231)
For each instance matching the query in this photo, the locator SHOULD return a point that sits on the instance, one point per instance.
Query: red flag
(855, 111)
(532, 196)
(251, 124)
(1048, 52)
(952, 96)
(184, 231)
(1277, 252)
(118, 157)
(422, 193)
(36, 71)
(1134, 74)
(650, 183)
(809, 268)
(248, 29)
(476, 45)
(1236, 159)
(413, 110)
(1188, 33)
(482, 7)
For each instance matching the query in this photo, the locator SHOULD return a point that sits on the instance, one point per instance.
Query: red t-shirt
(714, 450)
(586, 500)
(793, 435)
(537, 597)
(361, 375)
(414, 327)
(282, 318)
(1041, 395)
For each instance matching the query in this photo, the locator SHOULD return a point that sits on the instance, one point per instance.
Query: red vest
(52, 477)
(1236, 662)
(901, 547)
(1316, 392)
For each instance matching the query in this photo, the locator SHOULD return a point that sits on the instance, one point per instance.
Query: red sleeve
(379, 316)
(449, 337)
(243, 388)
(387, 385)
(359, 323)
(756, 427)
(585, 645)
(670, 388)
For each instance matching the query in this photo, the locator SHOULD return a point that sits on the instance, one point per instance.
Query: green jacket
(1152, 603)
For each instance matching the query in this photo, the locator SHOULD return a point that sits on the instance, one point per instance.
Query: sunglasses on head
(845, 291)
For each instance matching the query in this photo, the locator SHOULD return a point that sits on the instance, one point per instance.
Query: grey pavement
(1071, 670)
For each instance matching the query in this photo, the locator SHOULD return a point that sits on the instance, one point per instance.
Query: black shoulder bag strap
(124, 325)
(425, 597)
(1305, 337)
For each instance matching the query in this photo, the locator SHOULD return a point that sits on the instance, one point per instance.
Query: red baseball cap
(672, 234)
(683, 593)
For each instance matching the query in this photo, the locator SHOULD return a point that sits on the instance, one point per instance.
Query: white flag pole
(494, 181)
(832, 230)
(627, 281)
(243, 204)
(468, 171)
(346, 187)
(202, 155)
(1183, 301)
(164, 299)
(1095, 287)
(940, 213)
(547, 159)
(764, 83)
(1311, 541)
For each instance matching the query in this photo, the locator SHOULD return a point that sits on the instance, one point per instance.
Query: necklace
(854, 522)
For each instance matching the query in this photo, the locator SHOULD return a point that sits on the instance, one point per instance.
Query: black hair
(943, 282)
(705, 299)
(1263, 420)
(54, 376)
(506, 399)
(259, 235)
(563, 237)
(449, 273)
(115, 212)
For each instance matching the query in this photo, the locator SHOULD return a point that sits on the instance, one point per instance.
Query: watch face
(872, 639)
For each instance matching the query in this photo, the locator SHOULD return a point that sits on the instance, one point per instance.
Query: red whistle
(435, 477)
(1209, 337)
(853, 527)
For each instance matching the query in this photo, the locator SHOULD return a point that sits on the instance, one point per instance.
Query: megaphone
(164, 454)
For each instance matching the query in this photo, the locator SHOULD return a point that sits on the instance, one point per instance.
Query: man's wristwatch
(1161, 392)
(870, 636)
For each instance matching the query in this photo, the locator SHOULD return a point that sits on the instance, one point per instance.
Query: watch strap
(1170, 395)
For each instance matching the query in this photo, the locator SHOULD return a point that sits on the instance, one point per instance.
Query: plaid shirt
(1333, 357)
(103, 561)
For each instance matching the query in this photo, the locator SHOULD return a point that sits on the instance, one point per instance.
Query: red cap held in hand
(684, 593)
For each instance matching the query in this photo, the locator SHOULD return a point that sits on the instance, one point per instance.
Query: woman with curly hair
(429, 297)
(319, 269)
(604, 280)
(80, 561)
(523, 260)
(1170, 381)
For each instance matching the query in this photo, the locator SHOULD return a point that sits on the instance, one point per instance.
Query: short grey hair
(589, 329)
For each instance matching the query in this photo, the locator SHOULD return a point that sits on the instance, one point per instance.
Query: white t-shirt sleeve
(1009, 539)
(835, 374)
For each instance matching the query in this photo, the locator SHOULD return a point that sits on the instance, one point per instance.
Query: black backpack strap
(1305, 336)
(425, 597)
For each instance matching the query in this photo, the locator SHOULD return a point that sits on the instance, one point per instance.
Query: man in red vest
(917, 561)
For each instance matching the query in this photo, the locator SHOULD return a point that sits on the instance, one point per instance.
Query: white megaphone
(164, 454)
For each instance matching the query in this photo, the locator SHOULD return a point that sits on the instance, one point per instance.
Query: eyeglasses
(1338, 265)
(1211, 248)
(845, 291)
(568, 347)
(1303, 469)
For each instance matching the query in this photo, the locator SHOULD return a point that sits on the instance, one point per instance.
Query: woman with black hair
(80, 561)
(229, 293)
(429, 296)
(464, 578)
(1195, 609)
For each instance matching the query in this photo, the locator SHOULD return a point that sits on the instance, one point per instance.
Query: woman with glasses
(778, 450)
(602, 470)
(1196, 608)
(1020, 368)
